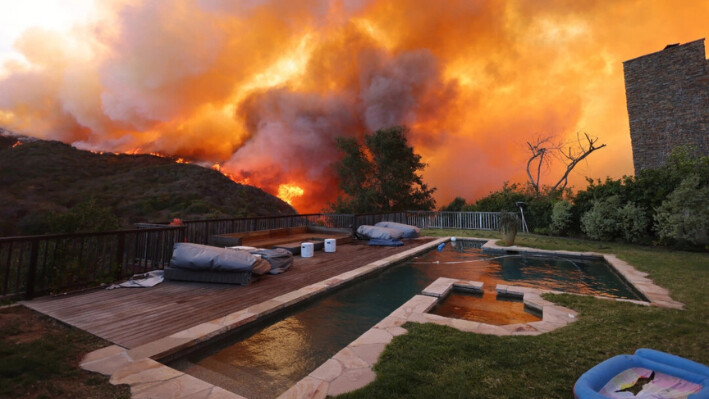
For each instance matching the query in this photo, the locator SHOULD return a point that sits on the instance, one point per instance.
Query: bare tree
(543, 148)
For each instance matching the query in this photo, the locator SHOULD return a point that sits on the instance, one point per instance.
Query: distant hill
(38, 178)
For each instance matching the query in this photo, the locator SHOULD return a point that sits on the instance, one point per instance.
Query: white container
(330, 245)
(306, 250)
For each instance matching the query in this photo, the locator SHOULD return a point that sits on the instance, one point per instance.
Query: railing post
(120, 255)
(32, 271)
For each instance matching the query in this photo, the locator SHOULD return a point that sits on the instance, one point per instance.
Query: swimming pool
(266, 358)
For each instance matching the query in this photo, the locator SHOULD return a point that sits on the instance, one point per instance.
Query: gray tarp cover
(279, 258)
(379, 232)
(204, 257)
(409, 230)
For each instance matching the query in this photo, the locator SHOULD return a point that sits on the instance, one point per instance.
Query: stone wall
(667, 94)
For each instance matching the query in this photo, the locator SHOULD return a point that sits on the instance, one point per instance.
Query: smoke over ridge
(263, 87)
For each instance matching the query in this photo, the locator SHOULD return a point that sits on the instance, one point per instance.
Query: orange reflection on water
(484, 309)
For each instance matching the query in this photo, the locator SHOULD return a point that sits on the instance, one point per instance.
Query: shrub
(684, 215)
(537, 212)
(601, 222)
(85, 217)
(633, 223)
(561, 217)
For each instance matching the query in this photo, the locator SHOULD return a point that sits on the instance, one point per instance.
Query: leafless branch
(543, 147)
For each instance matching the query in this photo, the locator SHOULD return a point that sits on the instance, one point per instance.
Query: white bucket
(330, 245)
(306, 250)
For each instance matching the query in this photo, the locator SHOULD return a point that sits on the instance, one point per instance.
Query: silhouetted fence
(36, 265)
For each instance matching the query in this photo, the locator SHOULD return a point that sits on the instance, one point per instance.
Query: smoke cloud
(263, 87)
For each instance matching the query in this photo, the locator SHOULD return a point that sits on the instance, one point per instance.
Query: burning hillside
(262, 88)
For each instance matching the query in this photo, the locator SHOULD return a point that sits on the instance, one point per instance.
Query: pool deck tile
(213, 393)
(391, 321)
(328, 371)
(373, 336)
(442, 286)
(307, 388)
(465, 325)
(396, 331)
(350, 380)
(164, 345)
(369, 352)
(106, 360)
(349, 359)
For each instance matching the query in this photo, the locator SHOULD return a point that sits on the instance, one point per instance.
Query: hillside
(38, 178)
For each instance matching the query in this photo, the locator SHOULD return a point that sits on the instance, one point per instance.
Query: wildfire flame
(17, 144)
(263, 88)
(288, 192)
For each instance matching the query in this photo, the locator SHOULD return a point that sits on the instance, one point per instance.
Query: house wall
(667, 95)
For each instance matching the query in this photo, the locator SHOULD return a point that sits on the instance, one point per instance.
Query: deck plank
(131, 317)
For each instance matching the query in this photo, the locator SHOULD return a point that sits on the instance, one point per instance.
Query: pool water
(460, 260)
(264, 360)
(487, 308)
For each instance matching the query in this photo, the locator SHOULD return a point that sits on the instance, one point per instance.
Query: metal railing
(456, 220)
(199, 231)
(37, 265)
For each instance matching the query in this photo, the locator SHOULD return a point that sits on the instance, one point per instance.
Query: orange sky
(264, 87)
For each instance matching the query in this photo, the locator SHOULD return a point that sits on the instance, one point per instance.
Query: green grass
(39, 358)
(437, 361)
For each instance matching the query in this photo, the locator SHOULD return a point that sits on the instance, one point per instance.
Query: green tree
(382, 175)
(455, 206)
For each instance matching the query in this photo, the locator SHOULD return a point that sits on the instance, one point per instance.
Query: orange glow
(288, 192)
(17, 144)
(263, 88)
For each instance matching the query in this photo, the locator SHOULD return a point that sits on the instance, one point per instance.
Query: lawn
(436, 361)
(39, 358)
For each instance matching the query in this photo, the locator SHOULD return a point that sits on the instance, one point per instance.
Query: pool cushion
(385, 233)
(280, 259)
(204, 257)
(409, 230)
(384, 242)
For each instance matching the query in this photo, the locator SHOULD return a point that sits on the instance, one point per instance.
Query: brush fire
(261, 89)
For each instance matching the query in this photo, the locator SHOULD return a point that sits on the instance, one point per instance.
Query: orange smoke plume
(262, 88)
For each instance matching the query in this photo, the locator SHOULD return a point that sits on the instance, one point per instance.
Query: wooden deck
(131, 317)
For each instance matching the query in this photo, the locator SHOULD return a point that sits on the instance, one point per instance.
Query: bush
(85, 217)
(537, 212)
(684, 216)
(601, 222)
(561, 217)
(633, 223)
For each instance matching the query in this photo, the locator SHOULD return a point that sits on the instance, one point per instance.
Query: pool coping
(350, 368)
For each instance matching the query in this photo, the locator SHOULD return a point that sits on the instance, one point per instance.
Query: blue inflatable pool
(671, 376)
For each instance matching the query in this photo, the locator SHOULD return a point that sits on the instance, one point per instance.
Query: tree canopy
(380, 175)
